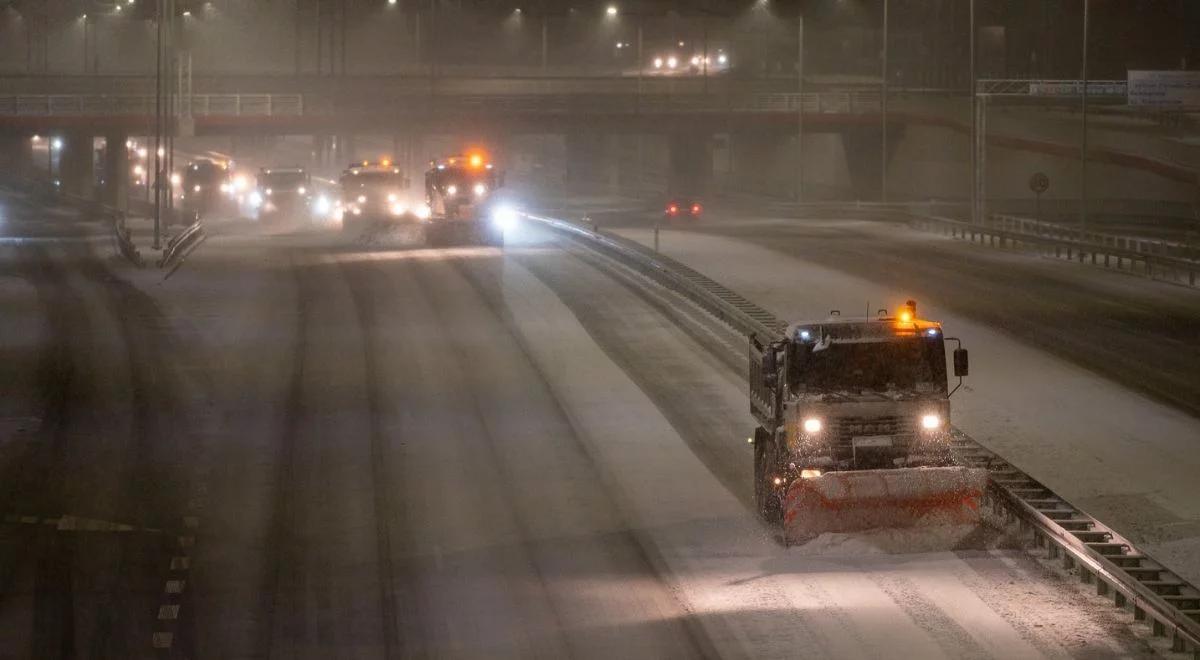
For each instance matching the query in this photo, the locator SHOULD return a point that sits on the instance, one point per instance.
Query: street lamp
(611, 10)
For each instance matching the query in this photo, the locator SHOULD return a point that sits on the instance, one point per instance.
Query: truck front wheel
(766, 493)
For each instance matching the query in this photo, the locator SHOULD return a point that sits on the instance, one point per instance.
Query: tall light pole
(158, 121)
(883, 110)
(974, 122)
(86, 51)
(1083, 148)
(800, 106)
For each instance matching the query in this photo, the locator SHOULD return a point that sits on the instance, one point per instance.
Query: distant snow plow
(854, 428)
(859, 500)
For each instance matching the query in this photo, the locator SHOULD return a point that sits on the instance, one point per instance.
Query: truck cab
(460, 192)
(377, 192)
(851, 394)
(282, 192)
(205, 185)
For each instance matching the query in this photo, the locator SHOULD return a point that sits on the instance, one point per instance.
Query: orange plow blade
(861, 500)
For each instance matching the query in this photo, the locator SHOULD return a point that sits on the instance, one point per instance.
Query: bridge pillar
(863, 147)
(690, 163)
(583, 152)
(76, 162)
(16, 155)
(346, 151)
(115, 191)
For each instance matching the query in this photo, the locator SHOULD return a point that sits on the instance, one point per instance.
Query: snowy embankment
(755, 598)
(1117, 454)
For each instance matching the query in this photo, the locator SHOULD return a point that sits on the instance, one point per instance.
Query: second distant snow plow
(854, 421)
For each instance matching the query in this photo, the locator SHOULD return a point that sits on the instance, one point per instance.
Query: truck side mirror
(770, 369)
(961, 365)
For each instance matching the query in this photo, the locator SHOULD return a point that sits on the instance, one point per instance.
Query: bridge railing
(318, 105)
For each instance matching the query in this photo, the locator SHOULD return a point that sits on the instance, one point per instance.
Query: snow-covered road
(463, 452)
(1106, 446)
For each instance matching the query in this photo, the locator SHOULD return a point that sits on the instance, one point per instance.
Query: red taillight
(696, 209)
(672, 209)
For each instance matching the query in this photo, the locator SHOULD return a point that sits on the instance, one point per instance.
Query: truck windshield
(283, 180)
(202, 172)
(461, 174)
(916, 364)
(365, 179)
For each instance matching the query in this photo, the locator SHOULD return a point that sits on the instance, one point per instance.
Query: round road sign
(1039, 183)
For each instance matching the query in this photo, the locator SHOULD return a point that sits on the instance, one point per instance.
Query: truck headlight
(302, 190)
(322, 206)
(813, 425)
(256, 199)
(452, 190)
(479, 189)
(398, 208)
(931, 422)
(504, 217)
(422, 211)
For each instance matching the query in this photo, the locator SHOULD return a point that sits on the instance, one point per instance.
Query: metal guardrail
(401, 103)
(1135, 582)
(1153, 248)
(124, 242)
(180, 246)
(1116, 252)
(267, 105)
(739, 313)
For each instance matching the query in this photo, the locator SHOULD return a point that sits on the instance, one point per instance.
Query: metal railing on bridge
(301, 105)
(120, 104)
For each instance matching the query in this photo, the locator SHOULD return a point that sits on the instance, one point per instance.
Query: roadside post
(1038, 183)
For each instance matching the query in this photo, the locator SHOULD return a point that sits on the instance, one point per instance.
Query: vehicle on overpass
(373, 192)
(204, 187)
(282, 193)
(683, 207)
(461, 192)
(854, 427)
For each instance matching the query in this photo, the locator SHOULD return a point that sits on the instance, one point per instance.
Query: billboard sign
(1165, 89)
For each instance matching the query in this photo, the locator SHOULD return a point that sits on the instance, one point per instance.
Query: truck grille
(849, 427)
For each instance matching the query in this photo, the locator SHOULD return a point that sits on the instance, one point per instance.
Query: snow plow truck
(854, 427)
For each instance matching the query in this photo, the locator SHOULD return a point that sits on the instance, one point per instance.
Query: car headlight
(452, 190)
(504, 217)
(479, 189)
(398, 209)
(931, 422)
(813, 425)
(362, 199)
(302, 190)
